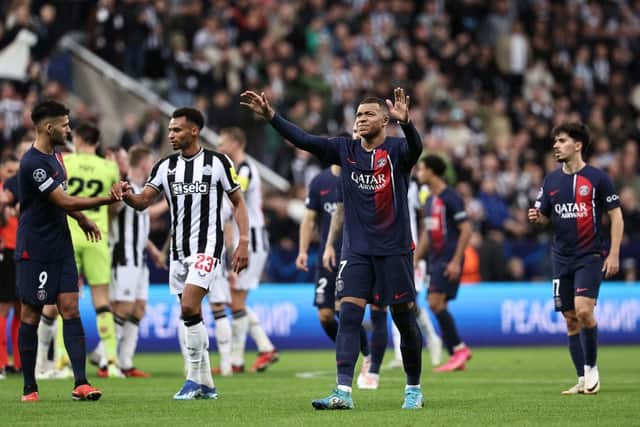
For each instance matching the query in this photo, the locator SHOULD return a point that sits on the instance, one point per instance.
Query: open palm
(399, 109)
(258, 103)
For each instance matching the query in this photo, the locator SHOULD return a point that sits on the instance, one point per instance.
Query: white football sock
(182, 340)
(239, 327)
(194, 345)
(128, 344)
(223, 340)
(205, 365)
(46, 333)
(263, 342)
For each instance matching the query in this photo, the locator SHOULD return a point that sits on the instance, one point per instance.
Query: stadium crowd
(487, 84)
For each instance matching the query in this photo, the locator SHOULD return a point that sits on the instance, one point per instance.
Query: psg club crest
(41, 295)
(381, 163)
(583, 190)
(39, 175)
(339, 285)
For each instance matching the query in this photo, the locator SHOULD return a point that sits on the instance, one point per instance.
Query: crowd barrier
(486, 314)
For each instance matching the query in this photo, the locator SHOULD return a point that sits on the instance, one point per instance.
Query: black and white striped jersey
(194, 188)
(129, 233)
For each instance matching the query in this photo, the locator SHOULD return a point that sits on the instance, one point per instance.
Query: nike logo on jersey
(350, 160)
(325, 192)
(554, 192)
(580, 290)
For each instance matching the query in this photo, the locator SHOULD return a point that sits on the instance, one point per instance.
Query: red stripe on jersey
(383, 190)
(438, 217)
(584, 221)
(61, 161)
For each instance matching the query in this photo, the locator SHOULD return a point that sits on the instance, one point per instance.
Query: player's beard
(60, 138)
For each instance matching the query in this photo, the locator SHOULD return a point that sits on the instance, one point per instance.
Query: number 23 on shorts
(205, 263)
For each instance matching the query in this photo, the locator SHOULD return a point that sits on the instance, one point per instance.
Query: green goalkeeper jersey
(89, 175)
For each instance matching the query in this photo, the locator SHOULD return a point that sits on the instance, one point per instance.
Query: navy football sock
(364, 342)
(410, 344)
(590, 345)
(378, 341)
(449, 332)
(74, 341)
(577, 354)
(28, 347)
(330, 328)
(347, 341)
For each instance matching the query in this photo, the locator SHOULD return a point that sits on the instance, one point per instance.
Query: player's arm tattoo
(336, 224)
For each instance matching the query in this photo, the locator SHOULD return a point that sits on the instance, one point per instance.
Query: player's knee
(573, 326)
(584, 316)
(188, 311)
(325, 316)
(436, 306)
(69, 310)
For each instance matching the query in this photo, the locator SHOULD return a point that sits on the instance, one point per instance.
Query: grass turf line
(502, 386)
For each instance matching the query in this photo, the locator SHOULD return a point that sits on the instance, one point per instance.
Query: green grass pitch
(502, 386)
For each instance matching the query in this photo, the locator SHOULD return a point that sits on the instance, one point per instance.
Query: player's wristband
(404, 123)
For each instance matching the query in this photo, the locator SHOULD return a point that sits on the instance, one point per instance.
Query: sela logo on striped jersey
(571, 210)
(184, 188)
(369, 182)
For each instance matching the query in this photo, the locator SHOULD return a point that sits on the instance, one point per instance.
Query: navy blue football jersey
(374, 186)
(43, 233)
(443, 214)
(322, 198)
(575, 204)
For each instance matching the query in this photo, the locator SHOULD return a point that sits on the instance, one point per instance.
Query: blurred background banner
(489, 314)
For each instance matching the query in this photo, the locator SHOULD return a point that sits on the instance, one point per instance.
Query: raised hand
(399, 109)
(259, 104)
(118, 190)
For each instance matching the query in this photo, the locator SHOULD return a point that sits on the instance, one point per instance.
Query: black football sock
(74, 341)
(347, 341)
(590, 345)
(577, 354)
(378, 343)
(28, 347)
(330, 328)
(364, 341)
(410, 344)
(449, 332)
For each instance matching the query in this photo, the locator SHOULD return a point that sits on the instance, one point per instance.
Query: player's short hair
(89, 132)
(435, 163)
(138, 152)
(236, 134)
(375, 100)
(191, 114)
(576, 131)
(47, 110)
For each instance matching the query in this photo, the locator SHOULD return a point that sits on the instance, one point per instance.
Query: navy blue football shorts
(381, 280)
(325, 295)
(39, 283)
(576, 278)
(437, 280)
